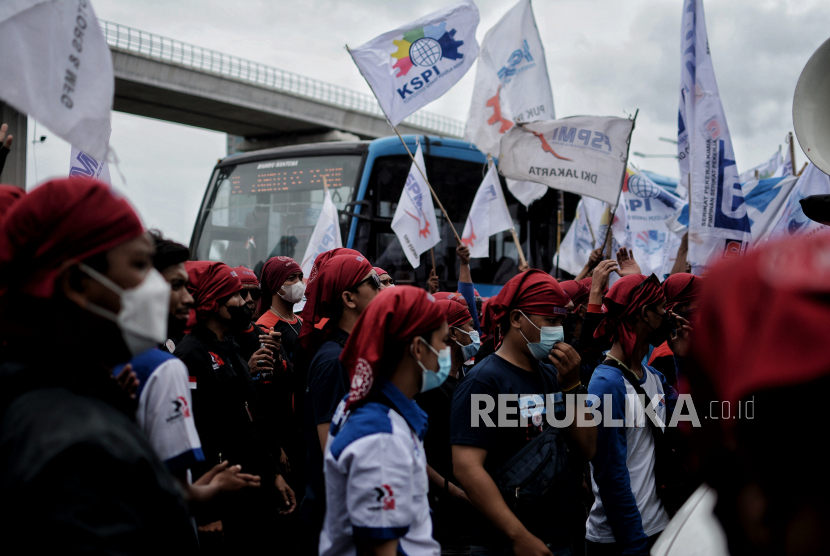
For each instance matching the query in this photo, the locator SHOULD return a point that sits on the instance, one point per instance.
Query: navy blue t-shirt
(328, 383)
(494, 376)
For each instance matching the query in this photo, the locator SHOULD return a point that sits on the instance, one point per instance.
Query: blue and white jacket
(627, 509)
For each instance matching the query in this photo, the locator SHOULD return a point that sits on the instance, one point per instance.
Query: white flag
(488, 215)
(326, 234)
(786, 168)
(414, 222)
(584, 154)
(413, 65)
(512, 85)
(765, 199)
(718, 224)
(56, 67)
(587, 232)
(81, 164)
(792, 221)
(765, 170)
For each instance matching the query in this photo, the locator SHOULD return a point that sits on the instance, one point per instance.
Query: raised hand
(5, 141)
(433, 282)
(628, 266)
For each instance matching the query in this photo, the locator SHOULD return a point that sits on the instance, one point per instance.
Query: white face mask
(144, 308)
(293, 293)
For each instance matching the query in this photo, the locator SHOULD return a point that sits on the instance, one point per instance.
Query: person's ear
(453, 334)
(515, 319)
(71, 281)
(347, 298)
(415, 349)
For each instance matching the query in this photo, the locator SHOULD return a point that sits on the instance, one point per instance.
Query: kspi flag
(512, 82)
(326, 234)
(583, 154)
(765, 199)
(488, 215)
(792, 221)
(81, 164)
(414, 222)
(56, 67)
(587, 232)
(718, 224)
(413, 65)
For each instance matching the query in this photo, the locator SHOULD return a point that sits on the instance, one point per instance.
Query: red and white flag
(414, 222)
(488, 215)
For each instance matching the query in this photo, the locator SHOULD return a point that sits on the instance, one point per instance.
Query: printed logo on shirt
(180, 409)
(386, 499)
(216, 360)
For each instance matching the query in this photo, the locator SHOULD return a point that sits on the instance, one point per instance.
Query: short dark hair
(168, 252)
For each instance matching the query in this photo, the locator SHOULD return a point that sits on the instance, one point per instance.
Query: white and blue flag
(81, 164)
(786, 168)
(718, 222)
(765, 199)
(765, 170)
(792, 221)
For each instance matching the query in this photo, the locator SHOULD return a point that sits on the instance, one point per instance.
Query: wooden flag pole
(518, 246)
(609, 234)
(792, 151)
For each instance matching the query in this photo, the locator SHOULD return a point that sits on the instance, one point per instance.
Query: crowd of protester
(150, 403)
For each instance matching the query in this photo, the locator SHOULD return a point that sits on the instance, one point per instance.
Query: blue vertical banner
(718, 222)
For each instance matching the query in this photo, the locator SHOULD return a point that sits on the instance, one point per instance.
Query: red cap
(63, 220)
(387, 326)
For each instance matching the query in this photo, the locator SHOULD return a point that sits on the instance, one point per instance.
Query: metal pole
(560, 229)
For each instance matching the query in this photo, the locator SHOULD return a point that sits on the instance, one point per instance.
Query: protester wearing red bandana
(230, 418)
(762, 365)
(628, 514)
(532, 361)
(376, 473)
(74, 253)
(340, 289)
(9, 195)
(682, 293)
(386, 280)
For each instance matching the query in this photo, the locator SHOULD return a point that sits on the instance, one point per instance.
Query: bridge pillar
(14, 172)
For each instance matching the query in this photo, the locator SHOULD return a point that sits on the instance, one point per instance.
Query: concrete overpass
(170, 80)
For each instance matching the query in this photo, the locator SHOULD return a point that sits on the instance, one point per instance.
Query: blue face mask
(433, 379)
(469, 351)
(549, 337)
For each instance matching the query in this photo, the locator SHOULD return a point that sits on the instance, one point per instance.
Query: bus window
(258, 210)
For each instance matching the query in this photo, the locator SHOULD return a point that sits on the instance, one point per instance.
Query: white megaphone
(811, 108)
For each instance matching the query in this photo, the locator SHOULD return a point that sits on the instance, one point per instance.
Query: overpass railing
(203, 59)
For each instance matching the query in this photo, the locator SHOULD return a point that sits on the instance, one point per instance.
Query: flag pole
(609, 234)
(423, 175)
(792, 151)
(522, 258)
(560, 226)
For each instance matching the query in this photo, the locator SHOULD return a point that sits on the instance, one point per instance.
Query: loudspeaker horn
(811, 108)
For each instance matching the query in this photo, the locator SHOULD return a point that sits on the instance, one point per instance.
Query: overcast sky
(605, 57)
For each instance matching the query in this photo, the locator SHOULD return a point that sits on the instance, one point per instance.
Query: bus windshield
(258, 210)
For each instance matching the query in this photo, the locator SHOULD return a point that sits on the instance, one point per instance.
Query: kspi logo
(424, 47)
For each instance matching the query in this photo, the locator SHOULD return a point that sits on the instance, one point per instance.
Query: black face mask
(662, 333)
(240, 317)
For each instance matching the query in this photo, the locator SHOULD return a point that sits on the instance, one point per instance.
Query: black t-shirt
(437, 404)
(328, 384)
(494, 376)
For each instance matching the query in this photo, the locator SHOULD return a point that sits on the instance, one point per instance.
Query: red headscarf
(387, 326)
(210, 282)
(577, 291)
(247, 277)
(761, 311)
(9, 195)
(274, 274)
(623, 302)
(534, 292)
(335, 276)
(63, 220)
(455, 313)
(440, 296)
(380, 271)
(681, 288)
(589, 282)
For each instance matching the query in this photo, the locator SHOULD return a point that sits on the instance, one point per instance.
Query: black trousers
(615, 549)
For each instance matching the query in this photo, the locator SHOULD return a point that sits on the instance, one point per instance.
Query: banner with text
(586, 155)
(414, 222)
(81, 164)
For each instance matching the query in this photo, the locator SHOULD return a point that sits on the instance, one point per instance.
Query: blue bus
(265, 203)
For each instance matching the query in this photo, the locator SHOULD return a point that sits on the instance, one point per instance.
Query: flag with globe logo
(413, 65)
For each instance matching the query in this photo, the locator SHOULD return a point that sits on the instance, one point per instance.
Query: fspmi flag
(81, 164)
(414, 222)
(413, 65)
(583, 154)
(326, 234)
(718, 223)
(488, 215)
(56, 67)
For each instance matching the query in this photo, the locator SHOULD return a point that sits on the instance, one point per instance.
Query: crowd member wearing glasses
(343, 287)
